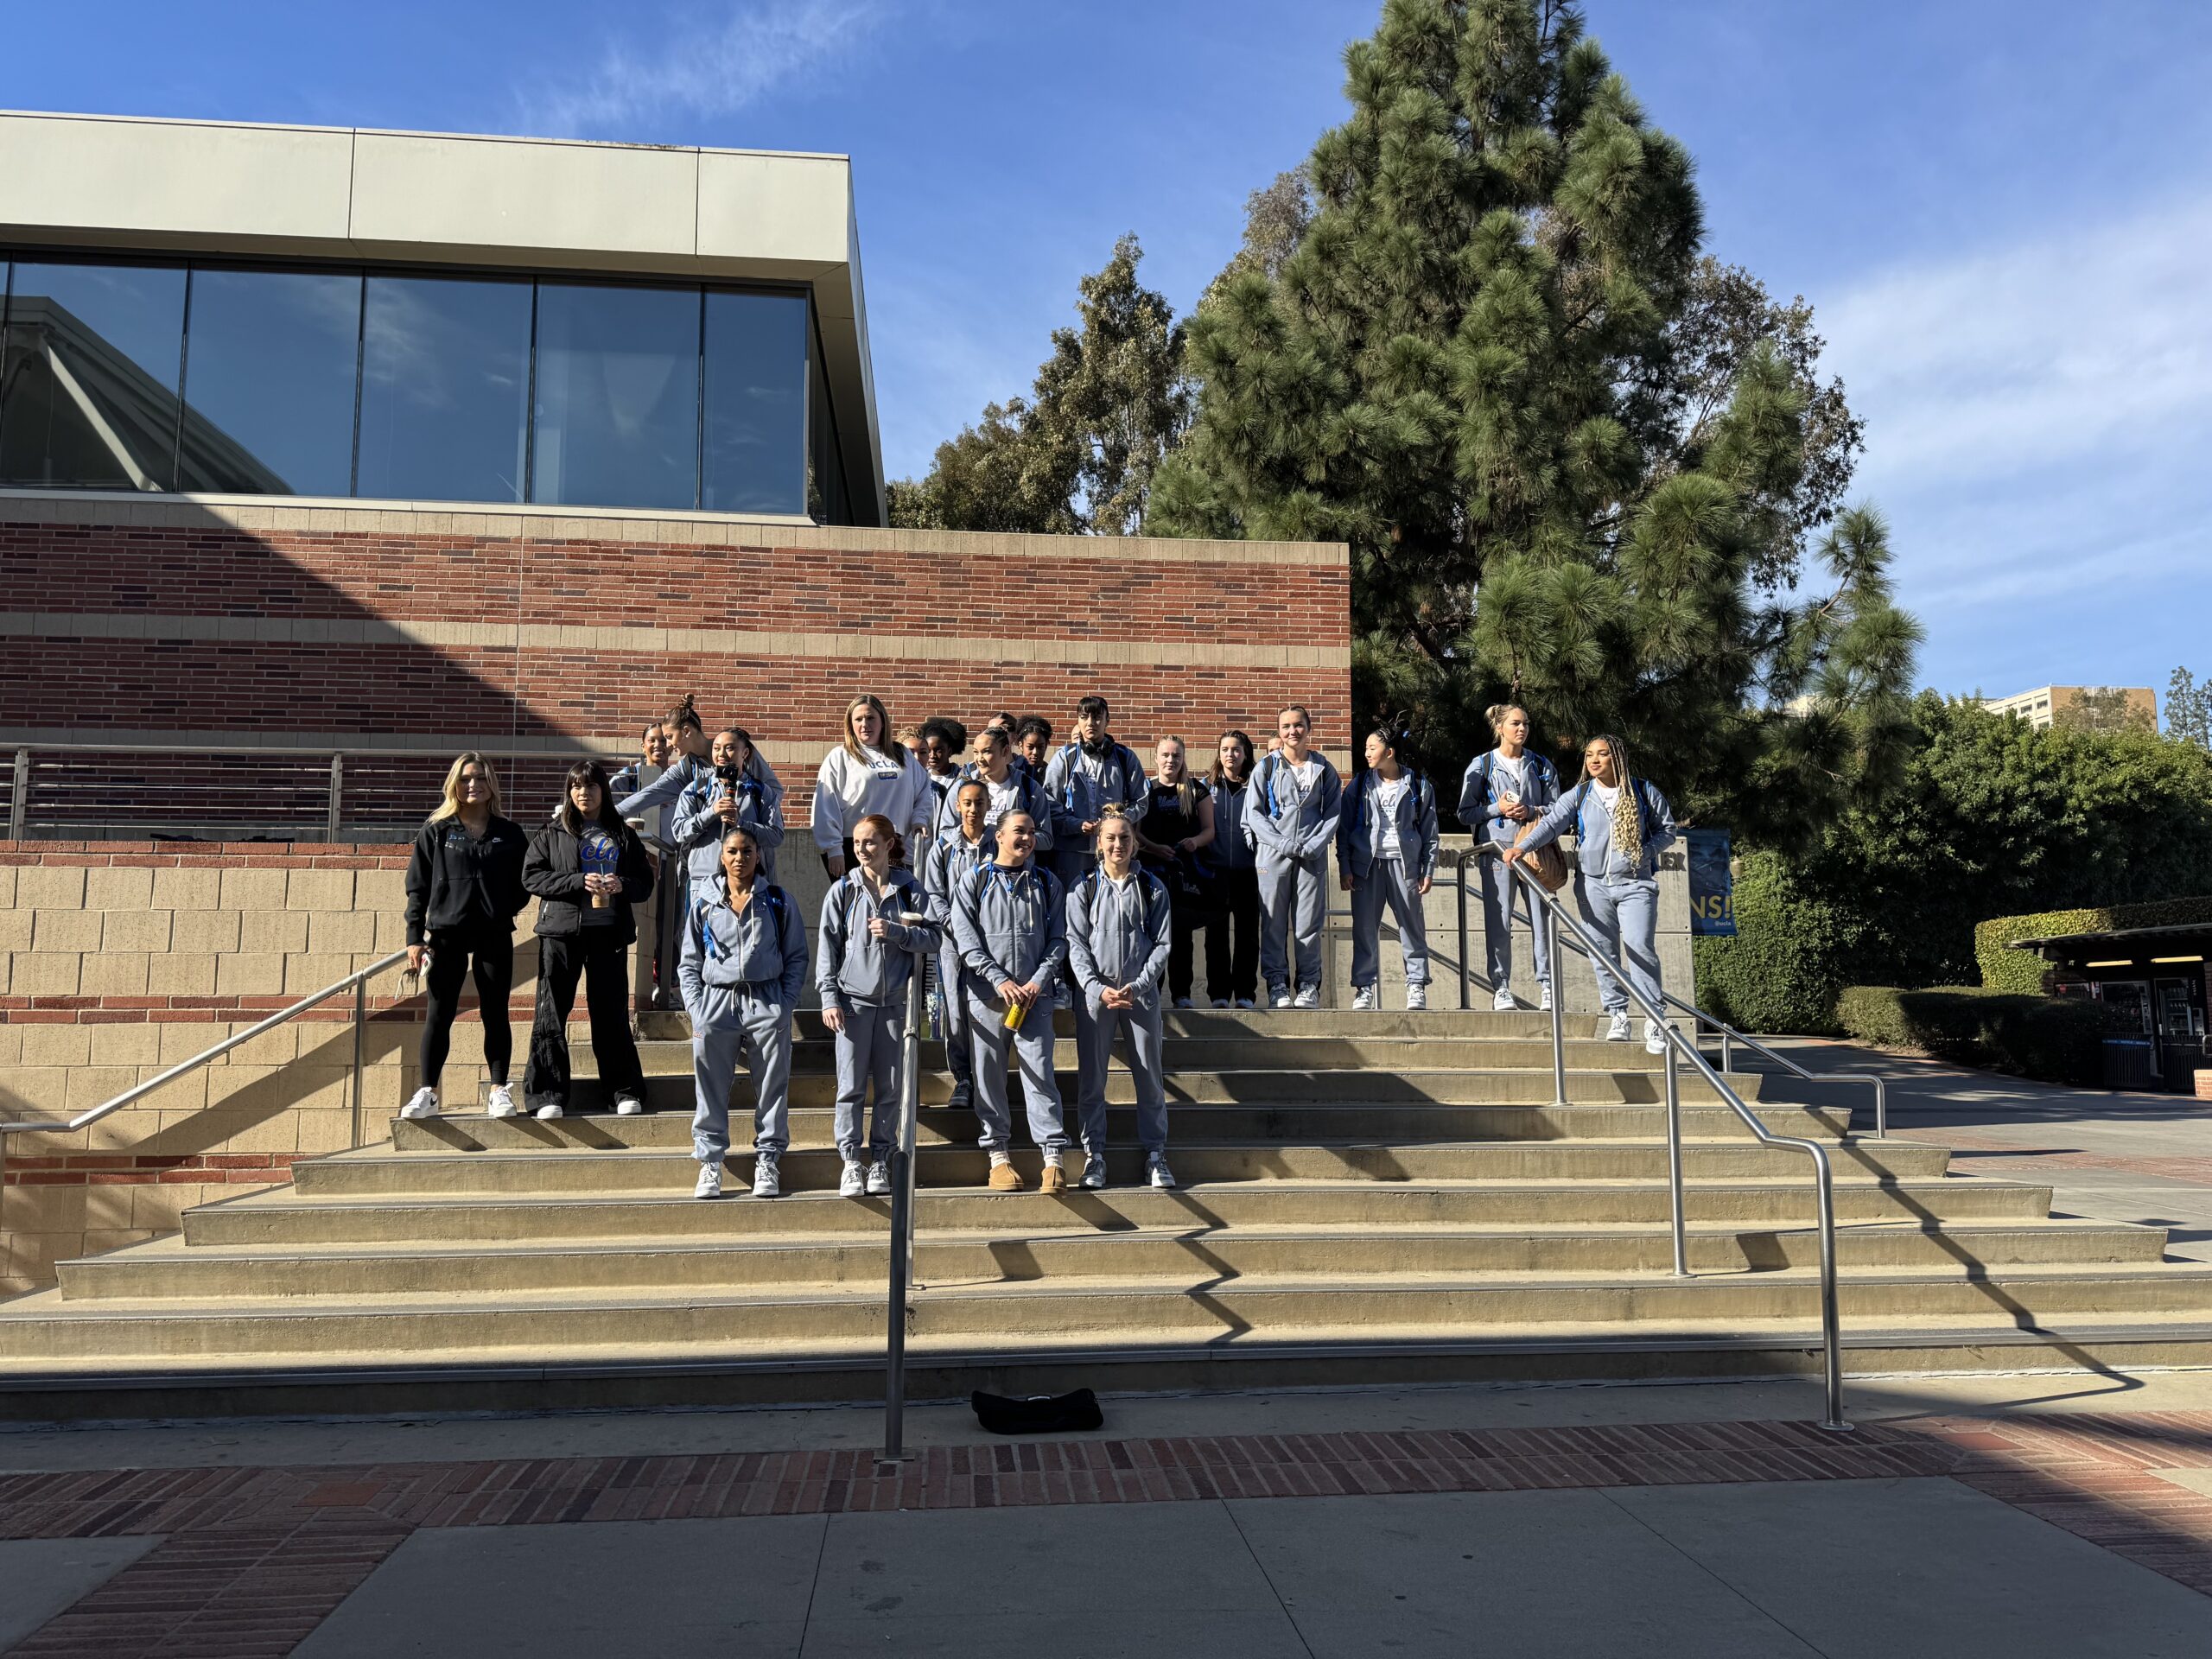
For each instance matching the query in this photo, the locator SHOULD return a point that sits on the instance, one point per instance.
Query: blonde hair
(1497, 712)
(450, 807)
(867, 700)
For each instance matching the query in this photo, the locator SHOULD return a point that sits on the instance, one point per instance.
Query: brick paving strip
(254, 1558)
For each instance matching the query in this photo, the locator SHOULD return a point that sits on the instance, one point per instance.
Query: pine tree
(2189, 708)
(1079, 455)
(1469, 371)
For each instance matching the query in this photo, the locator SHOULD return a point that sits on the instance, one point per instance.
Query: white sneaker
(1280, 997)
(550, 1111)
(853, 1182)
(1655, 1038)
(501, 1103)
(1503, 1002)
(423, 1102)
(1185, 1003)
(1417, 999)
(1156, 1171)
(628, 1106)
(710, 1181)
(1617, 1028)
(1094, 1172)
(879, 1181)
(1363, 996)
(1224, 1003)
(1309, 996)
(767, 1181)
(1544, 1000)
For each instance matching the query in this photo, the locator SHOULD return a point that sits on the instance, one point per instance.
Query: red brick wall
(955, 593)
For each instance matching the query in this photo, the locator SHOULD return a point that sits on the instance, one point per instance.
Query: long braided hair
(1627, 820)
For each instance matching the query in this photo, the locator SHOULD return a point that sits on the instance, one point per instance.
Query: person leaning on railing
(588, 870)
(464, 890)
(1622, 822)
(744, 961)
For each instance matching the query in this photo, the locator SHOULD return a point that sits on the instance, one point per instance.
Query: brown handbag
(1546, 863)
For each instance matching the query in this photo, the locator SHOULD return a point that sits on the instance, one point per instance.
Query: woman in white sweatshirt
(868, 772)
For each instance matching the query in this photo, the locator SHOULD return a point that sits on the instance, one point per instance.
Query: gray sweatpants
(1388, 882)
(1498, 901)
(959, 1058)
(868, 1050)
(762, 1039)
(1294, 895)
(1032, 1052)
(1626, 913)
(1096, 1026)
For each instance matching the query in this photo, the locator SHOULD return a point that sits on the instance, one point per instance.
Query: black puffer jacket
(554, 871)
(455, 880)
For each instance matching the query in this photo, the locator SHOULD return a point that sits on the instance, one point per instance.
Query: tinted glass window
(618, 396)
(445, 388)
(756, 403)
(268, 382)
(88, 377)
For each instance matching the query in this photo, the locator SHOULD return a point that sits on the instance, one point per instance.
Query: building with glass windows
(203, 308)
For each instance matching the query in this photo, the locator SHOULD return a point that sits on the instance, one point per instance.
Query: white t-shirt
(1510, 777)
(1388, 793)
(1004, 798)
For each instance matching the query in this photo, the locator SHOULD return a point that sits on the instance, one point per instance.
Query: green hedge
(1780, 973)
(2020, 972)
(2055, 1039)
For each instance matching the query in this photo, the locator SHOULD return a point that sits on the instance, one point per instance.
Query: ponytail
(885, 827)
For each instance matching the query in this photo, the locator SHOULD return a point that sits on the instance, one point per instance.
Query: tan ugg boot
(1005, 1178)
(1054, 1179)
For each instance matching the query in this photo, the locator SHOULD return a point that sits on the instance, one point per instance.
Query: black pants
(1233, 968)
(491, 952)
(604, 963)
(1187, 917)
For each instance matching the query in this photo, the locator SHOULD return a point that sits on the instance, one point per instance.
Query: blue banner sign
(1712, 890)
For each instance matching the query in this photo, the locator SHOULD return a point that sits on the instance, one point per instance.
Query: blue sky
(1999, 210)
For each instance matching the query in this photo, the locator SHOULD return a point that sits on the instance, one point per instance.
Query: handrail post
(1674, 1164)
(1559, 1033)
(902, 1215)
(19, 796)
(1831, 1315)
(1727, 1050)
(332, 818)
(1460, 872)
(360, 1042)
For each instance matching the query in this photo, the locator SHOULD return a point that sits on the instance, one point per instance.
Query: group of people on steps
(1034, 879)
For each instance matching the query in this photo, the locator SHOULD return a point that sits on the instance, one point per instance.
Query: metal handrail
(357, 981)
(1730, 1035)
(1823, 1175)
(902, 1207)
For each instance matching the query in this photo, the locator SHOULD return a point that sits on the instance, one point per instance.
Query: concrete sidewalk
(2111, 1155)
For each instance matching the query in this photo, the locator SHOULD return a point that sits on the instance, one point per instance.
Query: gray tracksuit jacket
(1282, 823)
(761, 953)
(1593, 828)
(695, 830)
(1118, 933)
(851, 965)
(1009, 923)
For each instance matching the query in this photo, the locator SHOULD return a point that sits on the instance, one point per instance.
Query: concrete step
(1265, 1053)
(815, 1126)
(377, 1171)
(284, 1217)
(168, 1271)
(1439, 1021)
(1197, 1307)
(1519, 1085)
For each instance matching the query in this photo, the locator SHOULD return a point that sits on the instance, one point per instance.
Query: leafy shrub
(2004, 968)
(1783, 969)
(2055, 1039)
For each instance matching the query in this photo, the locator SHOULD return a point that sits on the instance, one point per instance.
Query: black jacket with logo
(455, 880)
(554, 871)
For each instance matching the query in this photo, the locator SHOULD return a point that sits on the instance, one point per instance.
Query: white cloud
(706, 65)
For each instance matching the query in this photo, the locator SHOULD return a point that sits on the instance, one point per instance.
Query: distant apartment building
(2048, 703)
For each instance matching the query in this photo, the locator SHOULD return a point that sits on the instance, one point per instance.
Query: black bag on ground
(1038, 1414)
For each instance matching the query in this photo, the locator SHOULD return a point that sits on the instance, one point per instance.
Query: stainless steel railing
(357, 981)
(1569, 930)
(1729, 1036)
(902, 1207)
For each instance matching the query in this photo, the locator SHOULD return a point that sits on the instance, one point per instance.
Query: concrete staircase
(1365, 1197)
